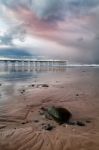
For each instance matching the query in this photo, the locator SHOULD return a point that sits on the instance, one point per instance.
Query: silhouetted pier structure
(31, 62)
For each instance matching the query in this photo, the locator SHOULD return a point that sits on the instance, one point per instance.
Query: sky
(62, 29)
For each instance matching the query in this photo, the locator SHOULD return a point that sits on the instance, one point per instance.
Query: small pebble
(42, 108)
(22, 91)
(88, 121)
(36, 121)
(23, 122)
(43, 124)
(72, 123)
(45, 85)
(80, 123)
(77, 94)
(48, 127)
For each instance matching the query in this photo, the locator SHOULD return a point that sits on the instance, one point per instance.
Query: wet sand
(21, 122)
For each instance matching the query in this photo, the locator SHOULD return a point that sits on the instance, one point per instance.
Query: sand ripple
(28, 139)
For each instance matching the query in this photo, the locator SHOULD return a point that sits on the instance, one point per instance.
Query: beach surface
(22, 122)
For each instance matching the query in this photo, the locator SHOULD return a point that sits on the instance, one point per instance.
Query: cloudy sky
(67, 29)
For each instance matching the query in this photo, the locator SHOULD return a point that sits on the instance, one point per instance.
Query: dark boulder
(59, 114)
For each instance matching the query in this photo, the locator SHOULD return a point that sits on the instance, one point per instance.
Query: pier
(31, 62)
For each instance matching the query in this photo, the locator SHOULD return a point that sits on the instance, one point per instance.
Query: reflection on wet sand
(31, 68)
(15, 72)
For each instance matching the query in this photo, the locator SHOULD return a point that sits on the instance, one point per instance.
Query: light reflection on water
(12, 73)
(13, 78)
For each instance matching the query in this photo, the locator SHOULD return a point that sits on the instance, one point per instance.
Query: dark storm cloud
(85, 51)
(17, 32)
(51, 10)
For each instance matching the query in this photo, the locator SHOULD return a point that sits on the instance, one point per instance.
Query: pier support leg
(6, 65)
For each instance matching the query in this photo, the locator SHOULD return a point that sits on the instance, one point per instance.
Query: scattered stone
(59, 114)
(43, 124)
(77, 94)
(45, 85)
(42, 85)
(43, 108)
(79, 123)
(0, 84)
(48, 127)
(23, 122)
(88, 121)
(72, 123)
(36, 121)
(32, 85)
(22, 91)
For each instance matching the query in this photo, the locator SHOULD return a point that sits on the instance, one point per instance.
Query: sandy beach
(21, 122)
